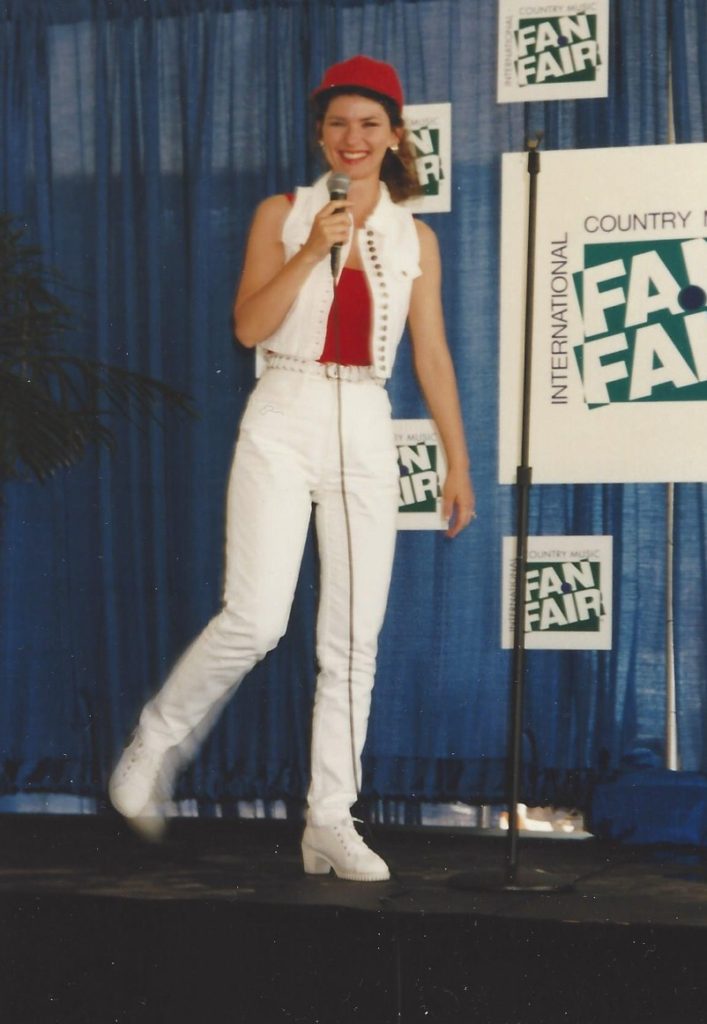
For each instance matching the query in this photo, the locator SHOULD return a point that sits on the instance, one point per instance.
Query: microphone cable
(338, 185)
(338, 189)
(336, 311)
(402, 889)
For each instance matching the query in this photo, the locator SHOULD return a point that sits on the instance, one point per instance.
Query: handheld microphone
(338, 185)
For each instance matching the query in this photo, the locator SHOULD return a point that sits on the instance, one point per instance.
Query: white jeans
(287, 457)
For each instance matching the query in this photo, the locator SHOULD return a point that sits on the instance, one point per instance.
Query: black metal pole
(507, 880)
(524, 476)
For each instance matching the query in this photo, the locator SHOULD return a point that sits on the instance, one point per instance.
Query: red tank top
(349, 324)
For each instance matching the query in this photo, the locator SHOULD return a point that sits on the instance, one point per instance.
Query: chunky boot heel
(314, 864)
(340, 847)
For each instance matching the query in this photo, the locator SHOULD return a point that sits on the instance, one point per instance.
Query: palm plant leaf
(54, 404)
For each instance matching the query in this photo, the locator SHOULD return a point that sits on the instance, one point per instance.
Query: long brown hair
(398, 170)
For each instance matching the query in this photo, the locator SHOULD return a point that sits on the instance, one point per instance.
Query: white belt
(330, 371)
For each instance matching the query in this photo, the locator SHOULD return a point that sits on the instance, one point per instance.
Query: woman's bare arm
(268, 284)
(435, 372)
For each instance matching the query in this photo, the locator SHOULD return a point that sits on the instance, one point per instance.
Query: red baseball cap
(363, 73)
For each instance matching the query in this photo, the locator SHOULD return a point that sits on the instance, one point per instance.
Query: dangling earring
(395, 148)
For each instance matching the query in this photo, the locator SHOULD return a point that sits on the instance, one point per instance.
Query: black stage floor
(218, 924)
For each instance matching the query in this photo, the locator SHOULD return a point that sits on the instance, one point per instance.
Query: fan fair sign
(568, 593)
(618, 389)
(422, 468)
(555, 51)
(429, 127)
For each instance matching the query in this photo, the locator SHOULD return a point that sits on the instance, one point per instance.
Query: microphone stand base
(523, 880)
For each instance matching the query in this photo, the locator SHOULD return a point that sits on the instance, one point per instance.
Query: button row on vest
(378, 269)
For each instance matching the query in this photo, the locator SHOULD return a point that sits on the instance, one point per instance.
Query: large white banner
(619, 378)
(554, 51)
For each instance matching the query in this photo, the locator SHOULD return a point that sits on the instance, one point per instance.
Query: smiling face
(356, 133)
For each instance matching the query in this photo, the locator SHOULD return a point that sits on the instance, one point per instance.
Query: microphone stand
(511, 880)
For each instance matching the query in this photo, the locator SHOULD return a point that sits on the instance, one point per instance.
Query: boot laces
(142, 757)
(350, 838)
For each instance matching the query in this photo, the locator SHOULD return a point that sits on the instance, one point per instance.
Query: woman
(317, 429)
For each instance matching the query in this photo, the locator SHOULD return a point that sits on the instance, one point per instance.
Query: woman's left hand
(458, 501)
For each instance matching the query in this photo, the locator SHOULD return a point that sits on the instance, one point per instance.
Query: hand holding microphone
(332, 225)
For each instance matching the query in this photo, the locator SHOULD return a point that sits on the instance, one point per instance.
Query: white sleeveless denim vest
(390, 253)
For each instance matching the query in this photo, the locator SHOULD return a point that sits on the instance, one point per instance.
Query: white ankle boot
(138, 786)
(341, 847)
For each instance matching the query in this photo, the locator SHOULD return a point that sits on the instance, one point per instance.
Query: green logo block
(561, 49)
(644, 321)
(426, 145)
(419, 481)
(563, 597)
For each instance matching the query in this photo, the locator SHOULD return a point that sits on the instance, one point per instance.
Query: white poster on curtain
(568, 593)
(619, 355)
(555, 51)
(422, 467)
(429, 128)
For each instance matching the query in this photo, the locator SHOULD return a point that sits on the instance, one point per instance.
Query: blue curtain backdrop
(136, 139)
(689, 73)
